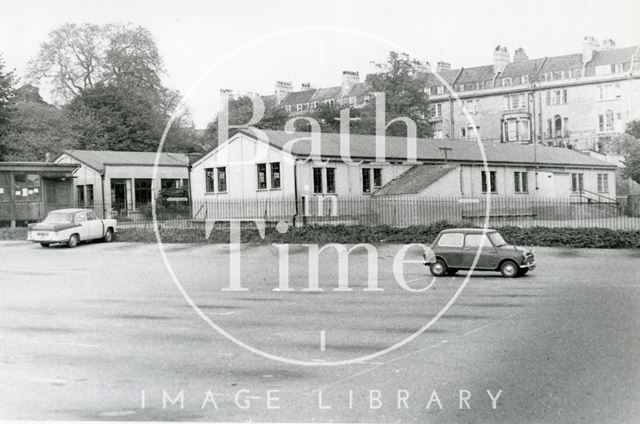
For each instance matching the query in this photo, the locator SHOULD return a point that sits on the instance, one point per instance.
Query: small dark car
(455, 250)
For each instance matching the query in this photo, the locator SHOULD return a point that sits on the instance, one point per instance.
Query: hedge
(532, 236)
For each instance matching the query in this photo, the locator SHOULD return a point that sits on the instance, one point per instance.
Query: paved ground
(83, 332)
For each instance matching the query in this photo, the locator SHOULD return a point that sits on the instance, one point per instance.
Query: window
(512, 130)
(366, 180)
(377, 177)
(208, 176)
(577, 181)
(329, 183)
(80, 195)
(142, 191)
(477, 240)
(489, 182)
(549, 128)
(81, 217)
(520, 182)
(609, 120)
(27, 187)
(89, 197)
(317, 180)
(436, 110)
(299, 107)
(331, 179)
(275, 175)
(523, 130)
(603, 183)
(262, 176)
(601, 123)
(506, 82)
(524, 79)
(91, 216)
(222, 179)
(565, 127)
(288, 108)
(548, 98)
(450, 240)
(514, 101)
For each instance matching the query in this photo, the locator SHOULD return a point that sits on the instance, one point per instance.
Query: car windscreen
(58, 218)
(497, 239)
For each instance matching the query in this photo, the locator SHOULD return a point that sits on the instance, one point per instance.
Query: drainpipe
(295, 191)
(104, 205)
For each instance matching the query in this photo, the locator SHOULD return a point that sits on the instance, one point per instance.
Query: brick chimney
(520, 55)
(423, 67)
(500, 59)
(443, 66)
(349, 79)
(282, 89)
(589, 46)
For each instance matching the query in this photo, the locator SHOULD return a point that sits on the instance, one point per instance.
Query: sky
(247, 45)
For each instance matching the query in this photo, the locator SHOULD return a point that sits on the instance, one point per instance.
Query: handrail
(598, 195)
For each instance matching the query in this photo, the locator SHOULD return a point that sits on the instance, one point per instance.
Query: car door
(83, 228)
(488, 256)
(95, 225)
(449, 247)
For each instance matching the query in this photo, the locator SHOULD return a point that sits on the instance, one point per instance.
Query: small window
(89, 197)
(91, 216)
(80, 195)
(208, 175)
(317, 180)
(577, 181)
(81, 217)
(489, 182)
(366, 180)
(477, 240)
(377, 177)
(222, 179)
(275, 175)
(603, 183)
(520, 182)
(450, 240)
(262, 176)
(331, 180)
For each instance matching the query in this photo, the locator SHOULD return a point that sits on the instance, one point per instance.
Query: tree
(240, 113)
(80, 57)
(405, 96)
(631, 147)
(110, 117)
(35, 128)
(7, 94)
(633, 129)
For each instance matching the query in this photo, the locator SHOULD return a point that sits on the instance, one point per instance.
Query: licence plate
(42, 234)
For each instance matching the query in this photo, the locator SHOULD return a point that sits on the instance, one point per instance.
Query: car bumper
(45, 237)
(530, 265)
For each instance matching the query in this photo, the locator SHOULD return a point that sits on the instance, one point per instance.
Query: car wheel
(73, 241)
(438, 268)
(452, 271)
(108, 237)
(45, 244)
(509, 269)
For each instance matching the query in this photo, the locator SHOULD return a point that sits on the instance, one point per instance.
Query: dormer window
(506, 82)
(524, 79)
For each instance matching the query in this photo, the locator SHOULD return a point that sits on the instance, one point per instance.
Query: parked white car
(71, 226)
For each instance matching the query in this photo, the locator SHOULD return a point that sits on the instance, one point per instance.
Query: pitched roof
(614, 56)
(524, 67)
(415, 180)
(298, 97)
(362, 147)
(98, 159)
(475, 74)
(326, 93)
(449, 75)
(360, 89)
(562, 63)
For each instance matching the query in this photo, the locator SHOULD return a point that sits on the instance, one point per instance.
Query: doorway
(119, 196)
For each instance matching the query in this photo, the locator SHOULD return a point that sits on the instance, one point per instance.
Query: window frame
(261, 170)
